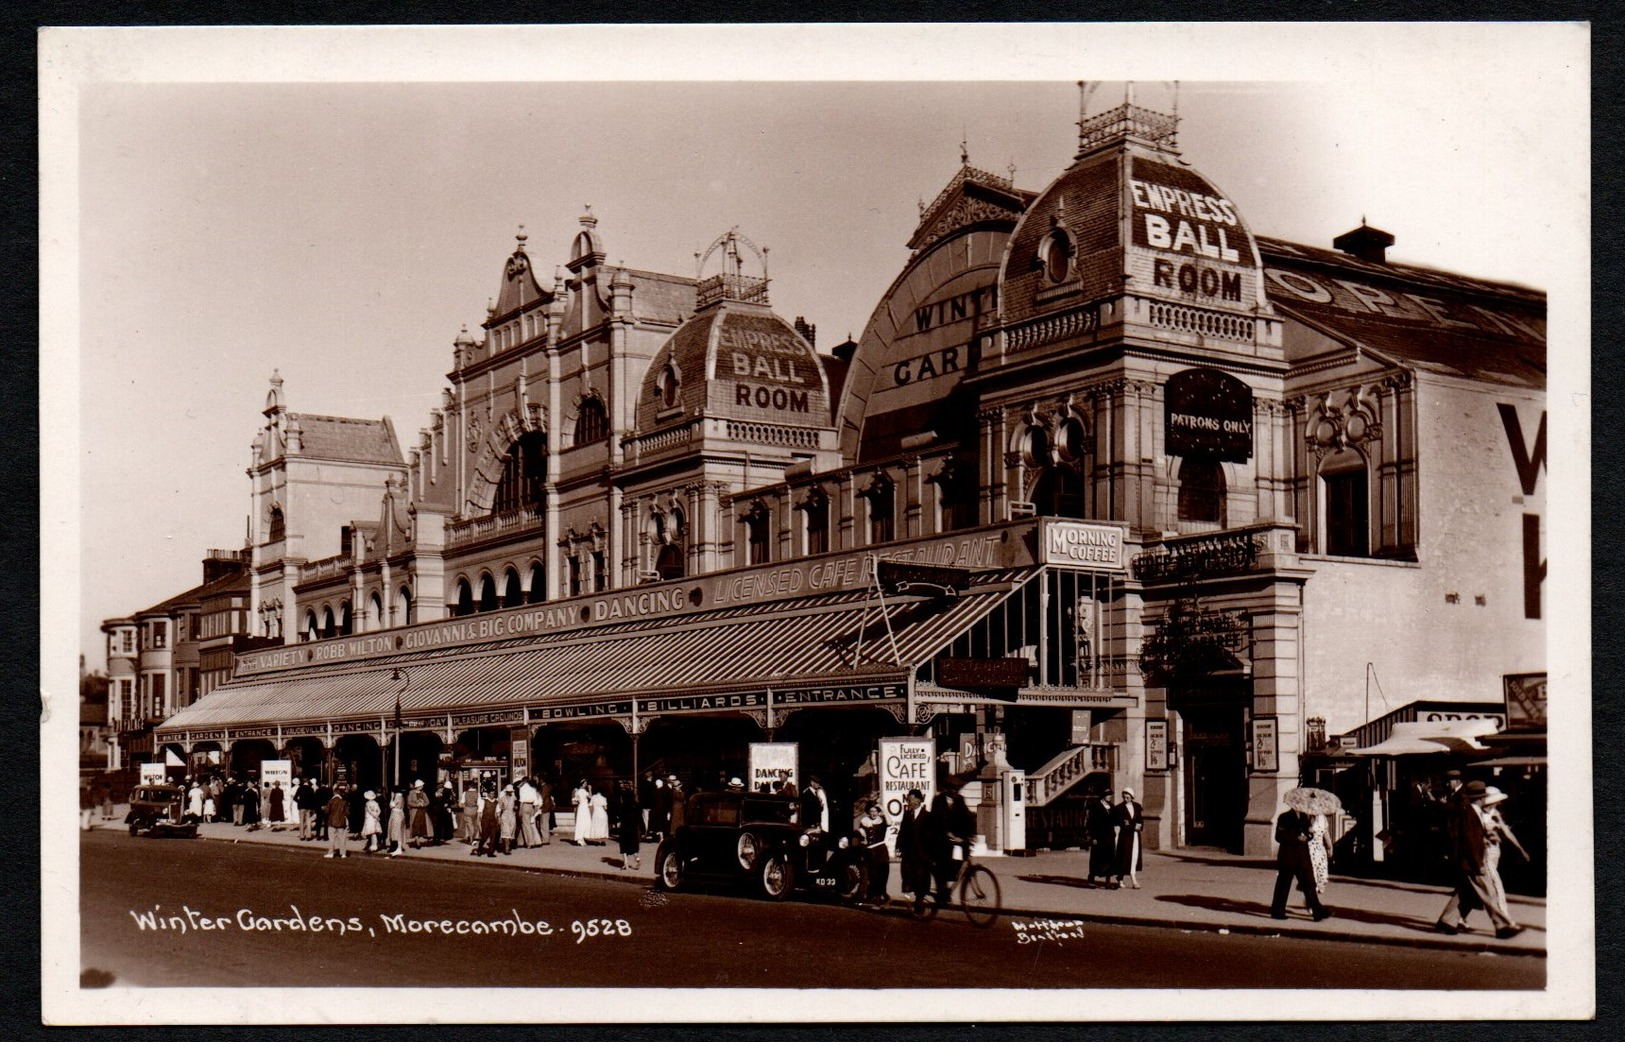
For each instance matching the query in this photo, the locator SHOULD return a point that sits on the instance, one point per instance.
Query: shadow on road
(1261, 911)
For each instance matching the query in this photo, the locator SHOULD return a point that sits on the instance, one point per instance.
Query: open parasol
(1313, 801)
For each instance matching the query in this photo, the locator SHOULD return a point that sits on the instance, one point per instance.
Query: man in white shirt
(529, 802)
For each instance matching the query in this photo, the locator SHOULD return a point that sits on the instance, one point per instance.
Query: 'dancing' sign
(1209, 412)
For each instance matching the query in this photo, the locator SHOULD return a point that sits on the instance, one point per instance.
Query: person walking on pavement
(372, 826)
(1320, 852)
(544, 811)
(275, 812)
(417, 807)
(581, 799)
(490, 826)
(1129, 818)
(469, 814)
(397, 825)
(630, 829)
(598, 834)
(1100, 830)
(1292, 862)
(659, 810)
(338, 823)
(1479, 834)
(913, 849)
(530, 801)
(872, 825)
(678, 800)
(507, 818)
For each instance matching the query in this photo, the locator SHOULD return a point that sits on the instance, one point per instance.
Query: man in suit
(1292, 862)
(952, 826)
(913, 850)
(1478, 835)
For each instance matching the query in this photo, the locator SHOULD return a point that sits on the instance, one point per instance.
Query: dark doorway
(1215, 777)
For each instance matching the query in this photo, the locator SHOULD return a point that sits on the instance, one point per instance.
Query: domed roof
(738, 361)
(1129, 216)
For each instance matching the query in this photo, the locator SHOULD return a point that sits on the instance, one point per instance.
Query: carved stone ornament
(1341, 420)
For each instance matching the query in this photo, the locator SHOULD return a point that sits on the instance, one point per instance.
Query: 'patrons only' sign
(1209, 412)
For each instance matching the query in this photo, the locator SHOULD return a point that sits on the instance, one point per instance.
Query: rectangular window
(1347, 521)
(600, 578)
(817, 527)
(160, 635)
(756, 527)
(881, 526)
(575, 575)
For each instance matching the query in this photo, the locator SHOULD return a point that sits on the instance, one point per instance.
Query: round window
(1057, 256)
(668, 386)
(1069, 439)
(1035, 448)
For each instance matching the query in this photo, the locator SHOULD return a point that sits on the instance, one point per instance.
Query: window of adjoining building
(488, 593)
(512, 594)
(1346, 490)
(592, 424)
(524, 475)
(160, 635)
(465, 599)
(538, 584)
(404, 614)
(1201, 490)
(669, 563)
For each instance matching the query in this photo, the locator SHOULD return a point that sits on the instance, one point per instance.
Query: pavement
(1193, 890)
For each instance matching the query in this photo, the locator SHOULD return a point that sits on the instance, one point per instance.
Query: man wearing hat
(678, 813)
(1292, 861)
(1479, 833)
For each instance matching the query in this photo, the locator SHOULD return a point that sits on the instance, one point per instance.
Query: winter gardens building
(1193, 486)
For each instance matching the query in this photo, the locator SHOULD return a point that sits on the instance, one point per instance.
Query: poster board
(275, 772)
(767, 759)
(905, 763)
(152, 773)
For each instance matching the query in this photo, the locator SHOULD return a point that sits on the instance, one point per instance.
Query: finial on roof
(964, 147)
(276, 374)
(589, 220)
(1012, 169)
(521, 236)
(490, 307)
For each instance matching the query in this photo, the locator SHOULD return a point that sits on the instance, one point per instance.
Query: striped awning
(835, 639)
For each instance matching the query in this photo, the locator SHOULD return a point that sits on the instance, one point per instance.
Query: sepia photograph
(727, 524)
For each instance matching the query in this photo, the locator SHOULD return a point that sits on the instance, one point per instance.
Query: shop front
(831, 653)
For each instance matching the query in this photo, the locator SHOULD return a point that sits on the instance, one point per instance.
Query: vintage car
(159, 809)
(742, 838)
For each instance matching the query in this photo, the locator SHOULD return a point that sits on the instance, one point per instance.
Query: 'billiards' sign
(1209, 412)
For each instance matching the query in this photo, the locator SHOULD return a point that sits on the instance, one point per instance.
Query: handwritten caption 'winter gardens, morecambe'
(158, 919)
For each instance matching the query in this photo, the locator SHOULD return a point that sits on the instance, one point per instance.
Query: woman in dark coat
(276, 816)
(1101, 829)
(1129, 816)
(630, 829)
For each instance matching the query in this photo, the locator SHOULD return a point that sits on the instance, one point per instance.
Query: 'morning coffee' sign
(1209, 412)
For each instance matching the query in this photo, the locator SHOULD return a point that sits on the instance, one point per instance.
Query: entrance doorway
(1215, 777)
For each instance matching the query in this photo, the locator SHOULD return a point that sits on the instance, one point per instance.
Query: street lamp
(400, 675)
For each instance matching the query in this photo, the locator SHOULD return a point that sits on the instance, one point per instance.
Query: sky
(335, 206)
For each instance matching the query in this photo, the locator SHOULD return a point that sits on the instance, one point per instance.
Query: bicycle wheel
(979, 896)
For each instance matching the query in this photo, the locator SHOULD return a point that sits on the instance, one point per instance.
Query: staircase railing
(1058, 775)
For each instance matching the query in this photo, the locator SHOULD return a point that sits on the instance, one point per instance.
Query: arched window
(465, 599)
(276, 530)
(1059, 492)
(669, 564)
(313, 630)
(377, 612)
(592, 424)
(488, 593)
(1201, 490)
(404, 611)
(882, 509)
(330, 628)
(346, 619)
(524, 475)
(538, 583)
(1346, 490)
(511, 594)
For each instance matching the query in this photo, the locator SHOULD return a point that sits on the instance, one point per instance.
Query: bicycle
(977, 889)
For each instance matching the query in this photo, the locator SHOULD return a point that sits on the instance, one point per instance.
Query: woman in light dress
(371, 824)
(582, 800)
(397, 825)
(598, 806)
(1319, 851)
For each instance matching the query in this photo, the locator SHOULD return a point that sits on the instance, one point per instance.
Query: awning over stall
(820, 641)
(1432, 738)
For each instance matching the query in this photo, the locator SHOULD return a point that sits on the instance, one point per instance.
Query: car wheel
(669, 869)
(778, 878)
(747, 849)
(854, 883)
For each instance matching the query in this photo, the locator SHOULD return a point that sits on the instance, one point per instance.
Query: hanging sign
(1208, 412)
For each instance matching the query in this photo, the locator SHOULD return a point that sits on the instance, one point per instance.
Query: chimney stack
(808, 331)
(1365, 243)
